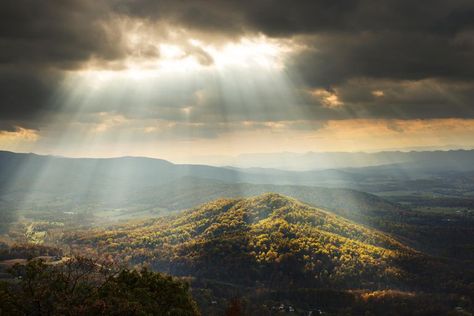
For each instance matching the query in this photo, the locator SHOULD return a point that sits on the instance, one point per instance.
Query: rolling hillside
(271, 251)
(269, 239)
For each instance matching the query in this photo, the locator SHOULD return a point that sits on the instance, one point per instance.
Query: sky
(181, 80)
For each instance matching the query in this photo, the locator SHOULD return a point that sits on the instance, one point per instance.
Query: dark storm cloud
(38, 40)
(409, 99)
(66, 32)
(345, 39)
(55, 33)
(391, 41)
(24, 95)
(333, 59)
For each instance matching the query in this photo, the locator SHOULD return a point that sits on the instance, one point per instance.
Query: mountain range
(25, 176)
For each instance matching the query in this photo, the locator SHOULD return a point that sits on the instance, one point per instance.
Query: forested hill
(270, 239)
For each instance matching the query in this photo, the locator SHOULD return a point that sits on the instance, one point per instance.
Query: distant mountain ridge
(459, 159)
(23, 174)
(32, 181)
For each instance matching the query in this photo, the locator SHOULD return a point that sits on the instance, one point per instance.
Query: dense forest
(249, 240)
(81, 286)
(274, 247)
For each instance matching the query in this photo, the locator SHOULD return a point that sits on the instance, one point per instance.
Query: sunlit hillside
(270, 242)
(250, 240)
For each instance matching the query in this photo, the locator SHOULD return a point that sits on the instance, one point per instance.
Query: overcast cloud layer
(387, 59)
